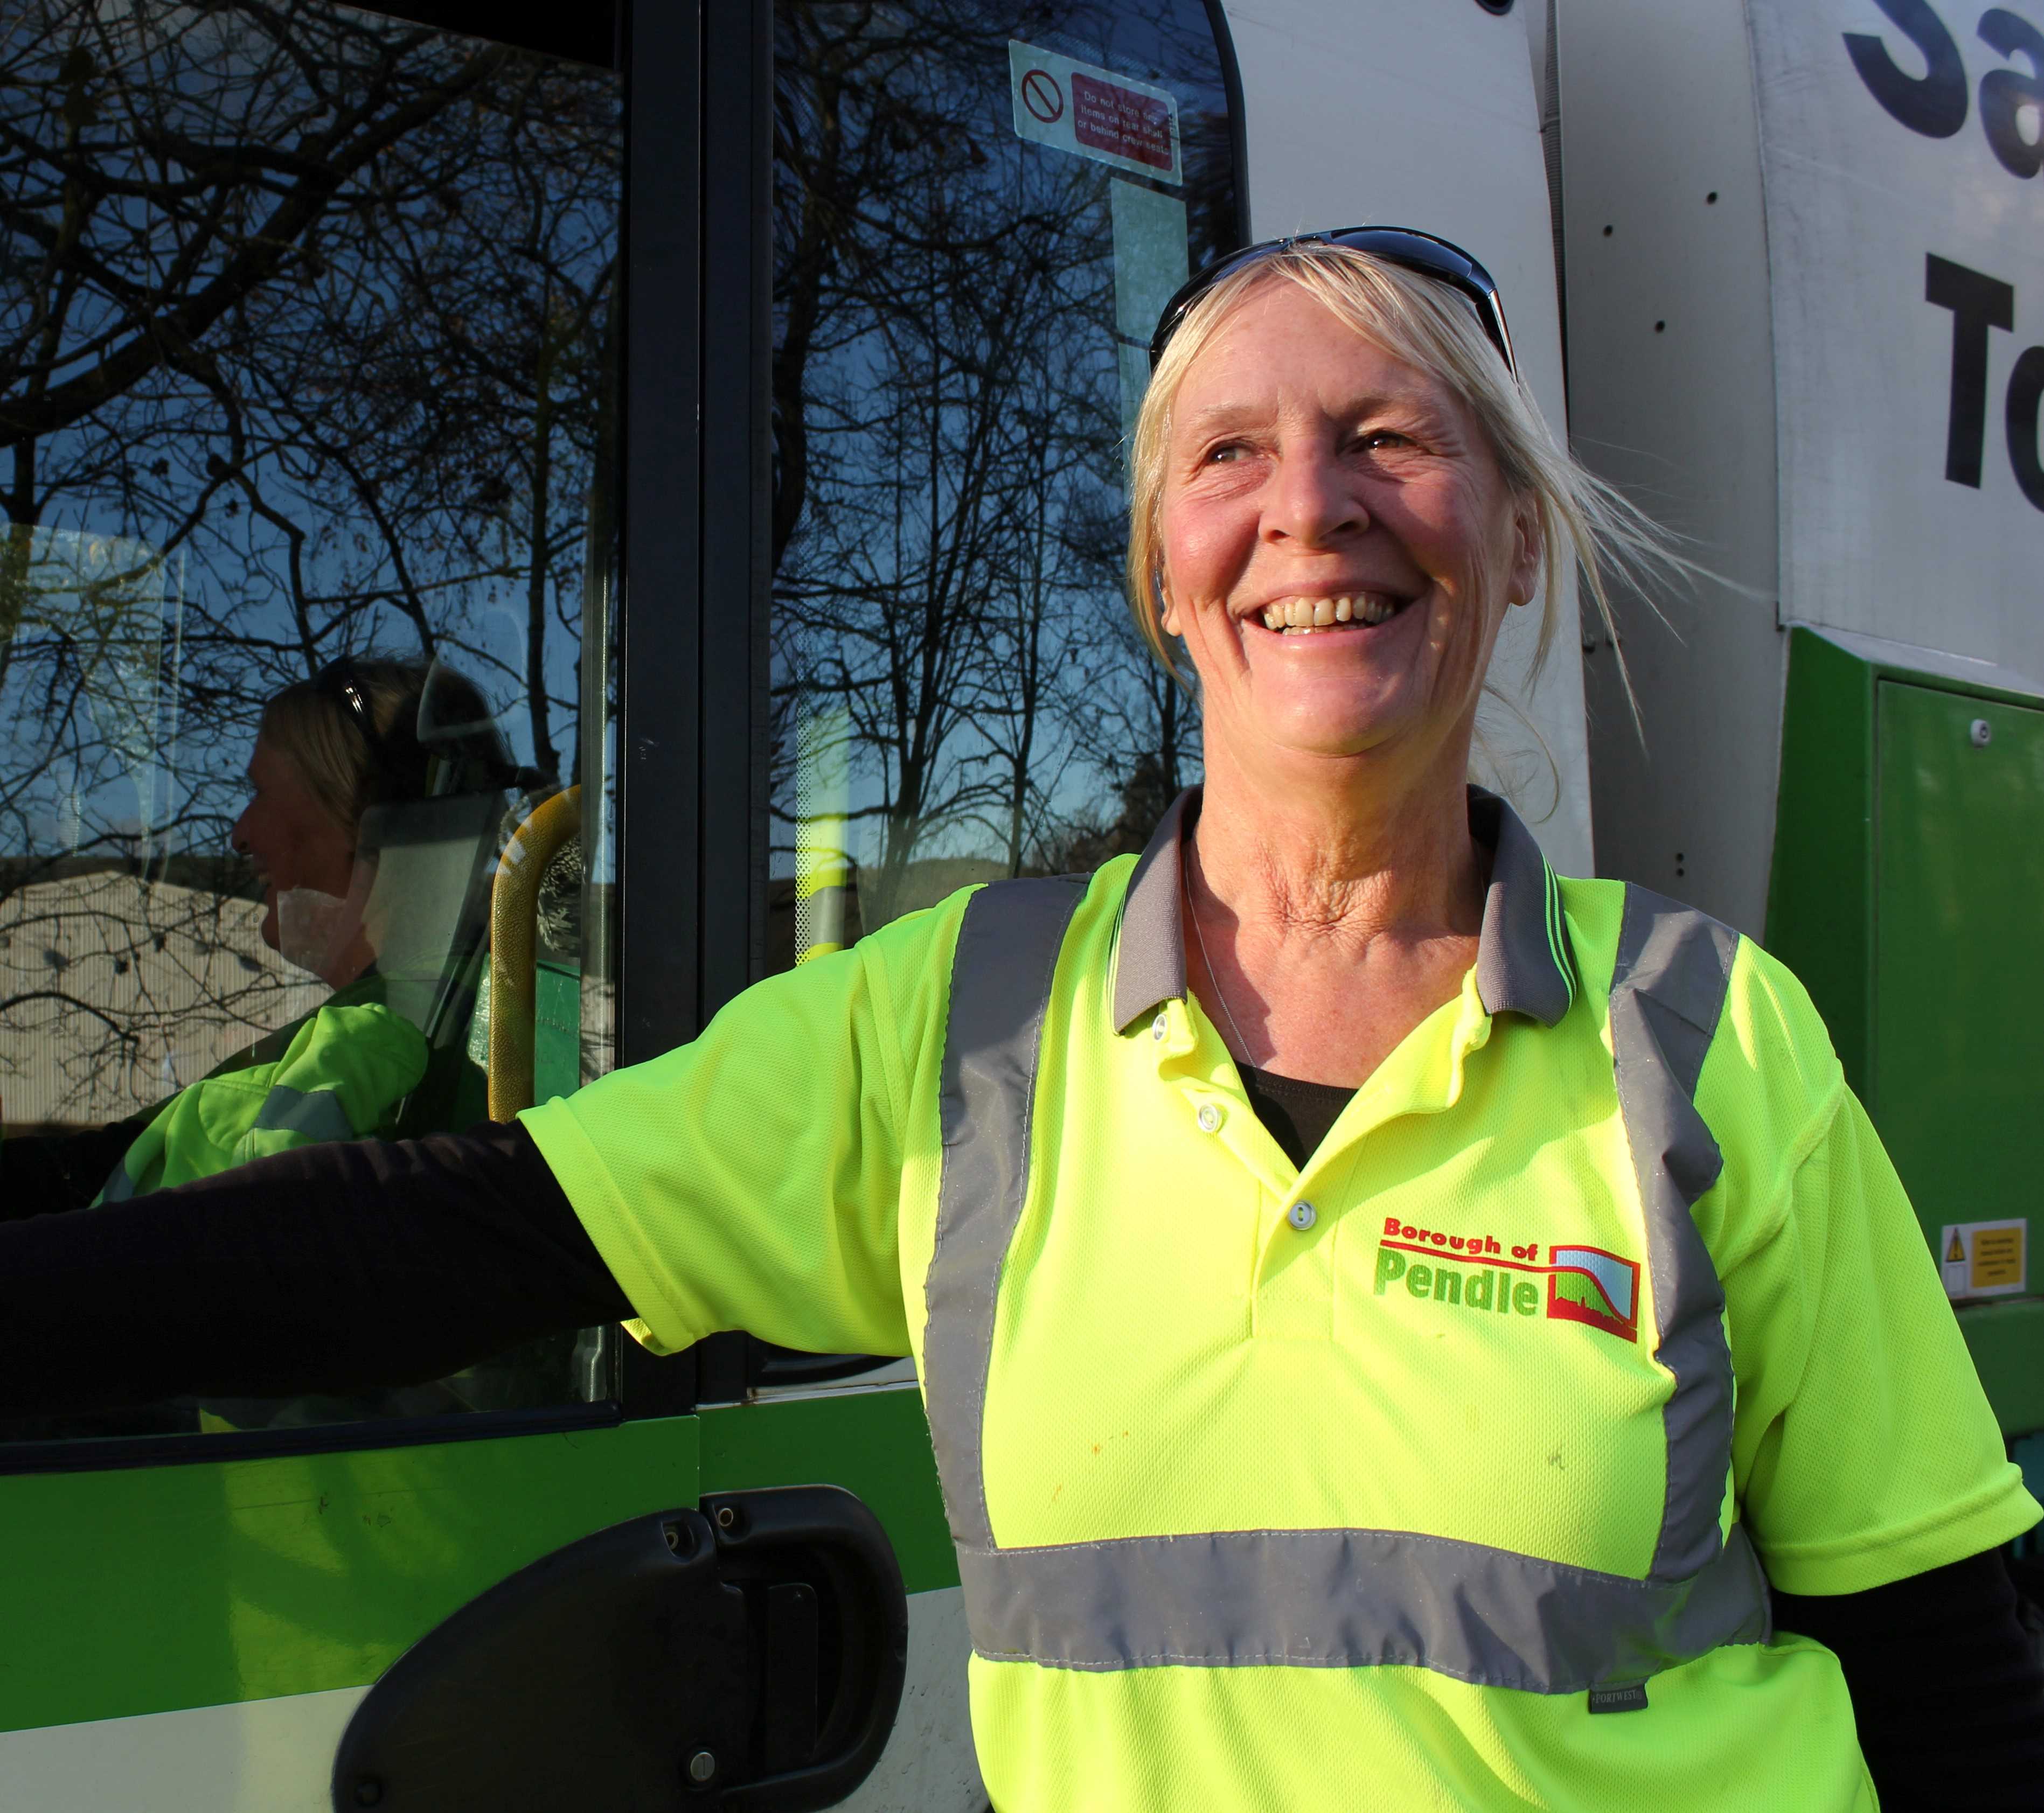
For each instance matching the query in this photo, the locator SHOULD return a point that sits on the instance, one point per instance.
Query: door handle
(514, 919)
(745, 1657)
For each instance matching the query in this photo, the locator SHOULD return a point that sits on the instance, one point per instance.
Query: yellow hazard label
(1985, 1258)
(1998, 1258)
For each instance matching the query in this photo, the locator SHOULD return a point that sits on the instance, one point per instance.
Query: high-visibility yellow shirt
(1459, 1339)
(340, 1073)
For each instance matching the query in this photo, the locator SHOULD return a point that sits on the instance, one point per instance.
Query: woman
(361, 737)
(1330, 1243)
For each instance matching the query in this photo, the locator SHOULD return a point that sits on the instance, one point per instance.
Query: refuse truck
(736, 395)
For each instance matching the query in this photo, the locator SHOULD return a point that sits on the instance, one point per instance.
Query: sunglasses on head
(1402, 246)
(341, 681)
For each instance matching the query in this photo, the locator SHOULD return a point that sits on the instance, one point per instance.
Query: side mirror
(745, 1658)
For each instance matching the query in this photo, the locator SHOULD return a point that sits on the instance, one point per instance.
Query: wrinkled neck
(1342, 846)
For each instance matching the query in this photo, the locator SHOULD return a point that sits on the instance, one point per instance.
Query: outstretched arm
(334, 1268)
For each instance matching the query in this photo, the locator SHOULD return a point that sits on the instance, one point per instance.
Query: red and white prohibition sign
(1043, 95)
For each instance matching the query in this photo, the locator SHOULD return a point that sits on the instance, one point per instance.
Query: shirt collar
(1524, 961)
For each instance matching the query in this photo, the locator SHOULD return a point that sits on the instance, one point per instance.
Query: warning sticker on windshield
(1093, 113)
(1985, 1258)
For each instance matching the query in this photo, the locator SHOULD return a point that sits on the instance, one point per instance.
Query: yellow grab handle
(514, 924)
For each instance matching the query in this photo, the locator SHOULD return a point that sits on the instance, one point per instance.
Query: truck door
(715, 410)
(314, 356)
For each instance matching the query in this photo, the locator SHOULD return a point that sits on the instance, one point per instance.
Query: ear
(1527, 547)
(1167, 612)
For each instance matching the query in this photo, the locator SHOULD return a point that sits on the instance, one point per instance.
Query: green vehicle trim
(154, 1589)
(1820, 883)
(875, 1443)
(1822, 903)
(158, 1589)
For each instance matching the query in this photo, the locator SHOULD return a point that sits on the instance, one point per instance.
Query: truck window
(308, 356)
(979, 210)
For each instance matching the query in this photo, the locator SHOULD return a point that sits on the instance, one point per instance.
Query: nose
(1315, 499)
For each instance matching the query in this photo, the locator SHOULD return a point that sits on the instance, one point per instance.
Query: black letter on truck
(2004, 90)
(2025, 389)
(1978, 303)
(1933, 104)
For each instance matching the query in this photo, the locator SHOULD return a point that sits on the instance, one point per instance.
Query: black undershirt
(341, 1268)
(1299, 1115)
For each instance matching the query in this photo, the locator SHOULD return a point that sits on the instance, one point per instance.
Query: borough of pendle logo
(1480, 1272)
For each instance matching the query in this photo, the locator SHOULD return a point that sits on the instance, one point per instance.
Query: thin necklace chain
(1220, 994)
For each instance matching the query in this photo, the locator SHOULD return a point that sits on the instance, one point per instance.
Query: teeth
(1301, 617)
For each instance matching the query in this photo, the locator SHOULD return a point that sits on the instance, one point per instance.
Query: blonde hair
(350, 765)
(1426, 324)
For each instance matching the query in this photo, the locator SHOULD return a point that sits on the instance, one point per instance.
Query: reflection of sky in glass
(348, 461)
(949, 603)
(121, 608)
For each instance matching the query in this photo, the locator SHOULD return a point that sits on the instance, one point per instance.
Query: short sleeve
(752, 1179)
(1865, 1449)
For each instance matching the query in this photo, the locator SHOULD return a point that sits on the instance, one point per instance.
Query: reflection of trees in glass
(313, 309)
(947, 520)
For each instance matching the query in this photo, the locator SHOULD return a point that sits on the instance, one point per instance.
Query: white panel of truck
(1899, 147)
(1803, 278)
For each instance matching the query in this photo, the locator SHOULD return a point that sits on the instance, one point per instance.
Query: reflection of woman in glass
(340, 762)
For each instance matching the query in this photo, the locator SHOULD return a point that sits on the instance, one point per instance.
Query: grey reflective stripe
(1340, 1598)
(1007, 954)
(1352, 1598)
(120, 1186)
(315, 1113)
(1668, 990)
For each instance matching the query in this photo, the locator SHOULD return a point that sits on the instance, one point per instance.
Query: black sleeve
(334, 1268)
(47, 1173)
(1946, 1685)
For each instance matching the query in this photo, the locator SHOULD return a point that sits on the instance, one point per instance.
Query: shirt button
(1159, 1026)
(1209, 1118)
(1302, 1215)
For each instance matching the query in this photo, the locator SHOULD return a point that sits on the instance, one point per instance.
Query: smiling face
(1339, 546)
(295, 841)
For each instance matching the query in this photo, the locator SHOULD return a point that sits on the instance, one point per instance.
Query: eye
(1376, 440)
(1225, 453)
